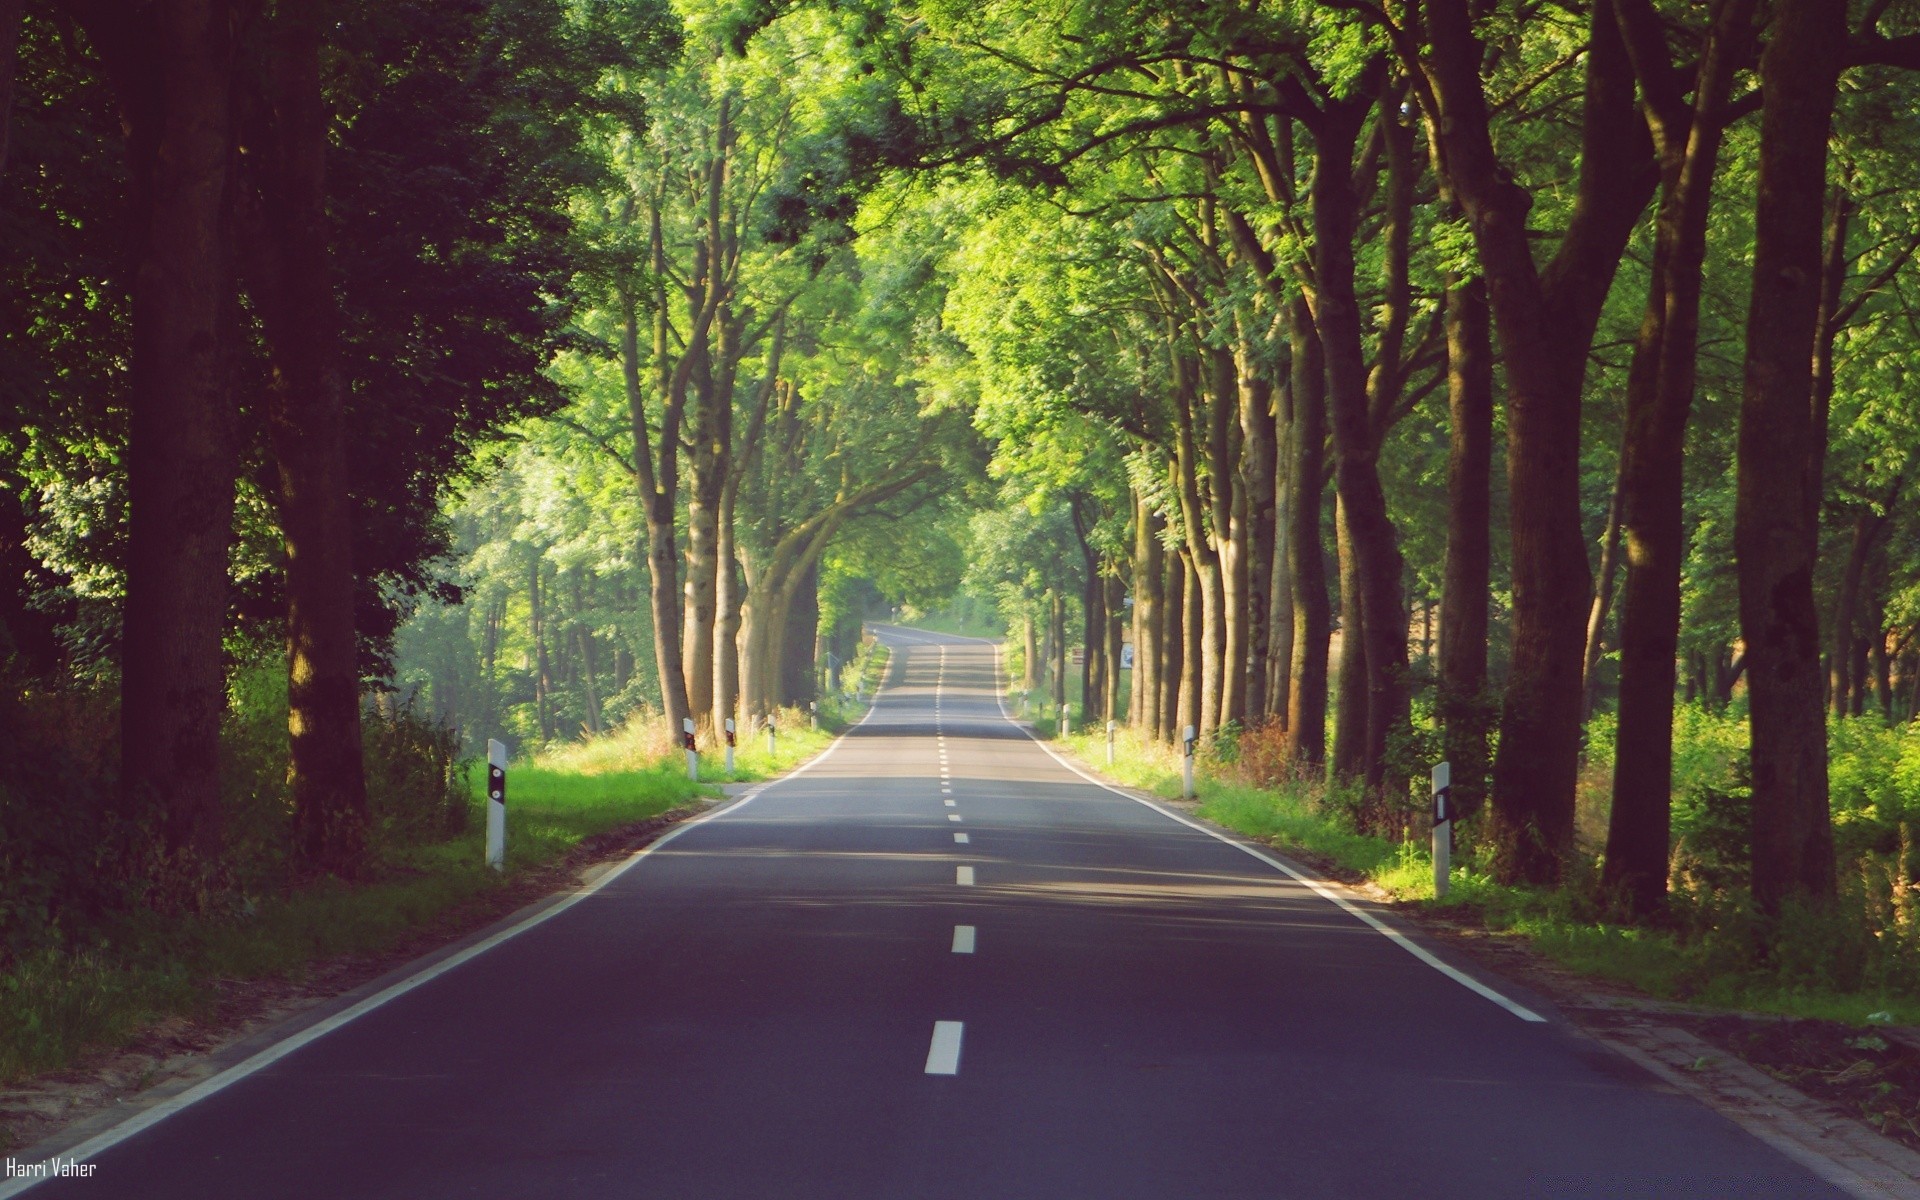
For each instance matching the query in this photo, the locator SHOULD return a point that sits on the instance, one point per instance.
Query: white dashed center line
(960, 838)
(943, 1056)
(963, 876)
(963, 939)
(949, 803)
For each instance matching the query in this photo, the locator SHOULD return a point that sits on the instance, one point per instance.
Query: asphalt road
(939, 964)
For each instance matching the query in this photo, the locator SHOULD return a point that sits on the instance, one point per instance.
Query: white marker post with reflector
(770, 733)
(1109, 743)
(1442, 827)
(729, 747)
(1186, 765)
(496, 805)
(693, 754)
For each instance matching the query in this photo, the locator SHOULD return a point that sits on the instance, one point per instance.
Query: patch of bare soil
(178, 1047)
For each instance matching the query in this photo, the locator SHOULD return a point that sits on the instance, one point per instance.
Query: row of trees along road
(1223, 253)
(670, 340)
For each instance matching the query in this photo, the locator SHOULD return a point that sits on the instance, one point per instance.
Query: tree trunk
(541, 664)
(1350, 706)
(1057, 638)
(1660, 390)
(803, 621)
(1116, 594)
(1776, 527)
(1841, 682)
(659, 497)
(1603, 595)
(1173, 645)
(1030, 659)
(307, 422)
(1467, 580)
(11, 15)
(180, 464)
(1546, 319)
(1257, 493)
(1193, 649)
(726, 627)
(1149, 574)
(1306, 489)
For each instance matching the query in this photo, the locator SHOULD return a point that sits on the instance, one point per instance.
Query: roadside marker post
(1186, 765)
(769, 733)
(813, 713)
(1442, 827)
(496, 805)
(1109, 743)
(729, 747)
(1066, 721)
(693, 754)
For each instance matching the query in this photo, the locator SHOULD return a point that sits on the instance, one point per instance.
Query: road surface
(940, 964)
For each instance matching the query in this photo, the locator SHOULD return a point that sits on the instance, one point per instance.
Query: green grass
(59, 1005)
(1711, 965)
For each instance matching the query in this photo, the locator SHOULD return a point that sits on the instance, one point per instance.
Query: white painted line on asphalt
(963, 939)
(943, 1056)
(148, 1118)
(949, 803)
(960, 839)
(954, 817)
(1381, 927)
(963, 876)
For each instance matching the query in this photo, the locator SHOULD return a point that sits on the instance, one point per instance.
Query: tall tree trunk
(659, 497)
(1280, 577)
(1776, 521)
(1115, 603)
(1057, 638)
(1350, 706)
(583, 634)
(180, 464)
(726, 627)
(1257, 494)
(1149, 574)
(1193, 648)
(1173, 644)
(11, 14)
(1467, 580)
(803, 621)
(307, 424)
(1608, 574)
(1841, 681)
(541, 664)
(1660, 389)
(1226, 497)
(1546, 319)
(1306, 551)
(1030, 657)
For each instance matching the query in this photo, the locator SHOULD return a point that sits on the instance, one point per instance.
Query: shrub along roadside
(139, 966)
(1847, 964)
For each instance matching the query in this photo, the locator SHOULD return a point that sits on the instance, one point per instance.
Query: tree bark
(1467, 581)
(1258, 493)
(1306, 552)
(1660, 389)
(1841, 683)
(12, 12)
(1173, 644)
(175, 96)
(1149, 573)
(1350, 705)
(1546, 319)
(659, 497)
(1603, 586)
(293, 290)
(1776, 529)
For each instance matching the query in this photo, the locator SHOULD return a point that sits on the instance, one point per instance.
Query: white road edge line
(963, 939)
(943, 1055)
(153, 1116)
(1381, 927)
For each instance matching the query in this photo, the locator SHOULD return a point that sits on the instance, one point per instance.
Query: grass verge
(1707, 963)
(57, 1005)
